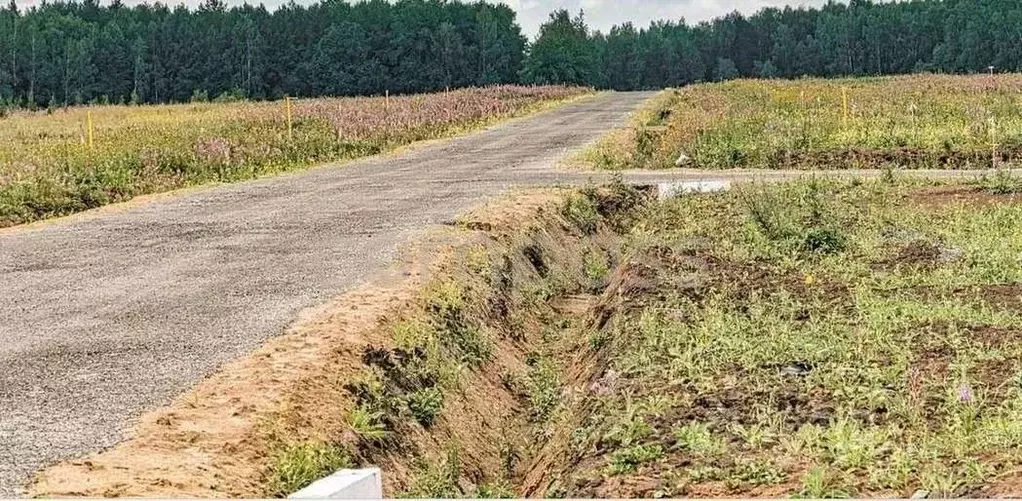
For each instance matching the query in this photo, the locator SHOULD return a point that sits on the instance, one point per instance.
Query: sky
(601, 14)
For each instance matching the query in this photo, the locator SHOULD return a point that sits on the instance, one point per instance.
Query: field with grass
(48, 168)
(816, 339)
(912, 122)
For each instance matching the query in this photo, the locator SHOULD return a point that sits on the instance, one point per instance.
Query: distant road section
(110, 313)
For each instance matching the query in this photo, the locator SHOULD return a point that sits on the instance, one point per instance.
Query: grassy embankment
(445, 404)
(47, 168)
(842, 339)
(917, 122)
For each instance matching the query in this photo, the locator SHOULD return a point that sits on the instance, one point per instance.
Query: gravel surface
(107, 314)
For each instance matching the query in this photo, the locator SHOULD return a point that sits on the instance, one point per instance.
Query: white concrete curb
(665, 191)
(345, 484)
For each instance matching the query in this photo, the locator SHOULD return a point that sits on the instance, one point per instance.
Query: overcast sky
(602, 14)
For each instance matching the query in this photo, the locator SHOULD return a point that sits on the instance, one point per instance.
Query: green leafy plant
(297, 465)
(425, 405)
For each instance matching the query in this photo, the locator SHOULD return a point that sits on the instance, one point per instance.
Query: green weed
(543, 387)
(295, 466)
(447, 305)
(628, 459)
(368, 424)
(582, 212)
(438, 480)
(425, 405)
(699, 440)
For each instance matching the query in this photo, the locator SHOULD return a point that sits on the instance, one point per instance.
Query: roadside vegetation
(917, 122)
(47, 167)
(816, 338)
(445, 403)
(841, 338)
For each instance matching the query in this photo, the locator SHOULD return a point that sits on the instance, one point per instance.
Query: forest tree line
(72, 52)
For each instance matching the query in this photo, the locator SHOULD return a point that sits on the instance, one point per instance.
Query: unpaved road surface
(107, 314)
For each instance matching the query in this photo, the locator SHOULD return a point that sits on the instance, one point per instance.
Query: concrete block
(365, 483)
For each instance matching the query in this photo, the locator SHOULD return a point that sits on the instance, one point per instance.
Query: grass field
(47, 168)
(840, 339)
(952, 122)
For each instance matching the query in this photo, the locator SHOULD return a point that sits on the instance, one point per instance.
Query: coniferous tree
(563, 52)
(77, 51)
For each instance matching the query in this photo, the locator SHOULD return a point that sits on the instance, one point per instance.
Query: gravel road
(107, 314)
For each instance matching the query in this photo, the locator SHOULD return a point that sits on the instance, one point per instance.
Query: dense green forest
(855, 38)
(74, 52)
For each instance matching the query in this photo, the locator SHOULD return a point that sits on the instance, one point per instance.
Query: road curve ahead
(110, 313)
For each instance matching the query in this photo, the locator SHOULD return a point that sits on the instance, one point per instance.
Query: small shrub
(446, 304)
(411, 334)
(627, 459)
(647, 144)
(698, 439)
(543, 386)
(582, 211)
(199, 96)
(754, 473)
(598, 339)
(823, 241)
(477, 260)
(438, 480)
(801, 219)
(819, 483)
(231, 96)
(367, 424)
(630, 429)
(595, 267)
(425, 405)
(496, 490)
(1002, 183)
